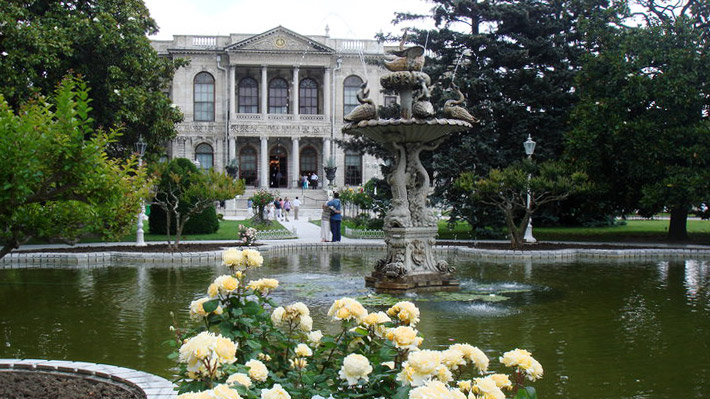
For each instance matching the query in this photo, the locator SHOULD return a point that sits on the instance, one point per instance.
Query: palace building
(274, 102)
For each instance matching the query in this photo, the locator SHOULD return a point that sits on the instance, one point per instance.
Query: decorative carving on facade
(280, 130)
(192, 128)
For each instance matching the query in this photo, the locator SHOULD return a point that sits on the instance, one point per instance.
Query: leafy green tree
(105, 42)
(57, 185)
(183, 191)
(515, 62)
(641, 129)
(508, 189)
(259, 201)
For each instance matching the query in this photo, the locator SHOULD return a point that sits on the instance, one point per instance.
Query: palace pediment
(280, 39)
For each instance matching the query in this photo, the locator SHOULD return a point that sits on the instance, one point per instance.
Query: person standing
(277, 208)
(336, 216)
(325, 224)
(287, 207)
(314, 180)
(296, 205)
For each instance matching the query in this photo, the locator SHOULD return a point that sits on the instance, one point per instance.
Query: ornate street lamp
(140, 149)
(529, 145)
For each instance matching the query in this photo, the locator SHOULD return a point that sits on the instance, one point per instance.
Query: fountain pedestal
(410, 263)
(410, 225)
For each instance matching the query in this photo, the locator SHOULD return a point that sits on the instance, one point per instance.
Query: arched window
(247, 165)
(205, 155)
(350, 88)
(278, 96)
(248, 96)
(353, 169)
(204, 97)
(308, 97)
(309, 162)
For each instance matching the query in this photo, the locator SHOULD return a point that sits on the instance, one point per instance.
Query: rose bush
(247, 346)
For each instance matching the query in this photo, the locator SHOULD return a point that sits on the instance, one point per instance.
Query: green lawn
(228, 230)
(633, 230)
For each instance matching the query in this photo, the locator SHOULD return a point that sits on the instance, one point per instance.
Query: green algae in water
(388, 300)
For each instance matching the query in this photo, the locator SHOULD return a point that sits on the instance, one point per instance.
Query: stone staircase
(311, 202)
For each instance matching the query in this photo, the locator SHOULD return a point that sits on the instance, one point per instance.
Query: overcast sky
(347, 19)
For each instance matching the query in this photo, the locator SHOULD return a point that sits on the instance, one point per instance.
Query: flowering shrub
(247, 346)
(247, 235)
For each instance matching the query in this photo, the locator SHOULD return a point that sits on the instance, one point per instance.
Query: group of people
(309, 180)
(280, 209)
(330, 220)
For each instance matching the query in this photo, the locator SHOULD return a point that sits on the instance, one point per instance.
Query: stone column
(264, 164)
(326, 151)
(326, 94)
(296, 85)
(232, 99)
(295, 163)
(264, 93)
(232, 147)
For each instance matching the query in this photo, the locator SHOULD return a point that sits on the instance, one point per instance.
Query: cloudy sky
(347, 19)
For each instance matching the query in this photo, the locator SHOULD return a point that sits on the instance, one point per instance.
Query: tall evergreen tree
(642, 128)
(516, 62)
(104, 42)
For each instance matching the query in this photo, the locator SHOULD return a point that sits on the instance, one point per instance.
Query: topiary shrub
(205, 222)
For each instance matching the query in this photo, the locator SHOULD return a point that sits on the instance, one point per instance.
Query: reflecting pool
(600, 330)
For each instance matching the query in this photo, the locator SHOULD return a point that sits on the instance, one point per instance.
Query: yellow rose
(502, 381)
(406, 312)
(473, 354)
(197, 311)
(404, 337)
(355, 367)
(347, 309)
(303, 350)
(465, 386)
(486, 388)
(252, 258)
(452, 358)
(264, 357)
(276, 392)
(314, 337)
(257, 370)
(277, 316)
(223, 391)
(523, 361)
(239, 378)
(306, 324)
(298, 363)
(233, 258)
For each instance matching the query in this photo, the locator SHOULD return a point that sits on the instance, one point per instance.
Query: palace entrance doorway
(278, 167)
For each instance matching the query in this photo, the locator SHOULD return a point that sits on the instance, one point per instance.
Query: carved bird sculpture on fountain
(407, 59)
(422, 108)
(366, 110)
(454, 111)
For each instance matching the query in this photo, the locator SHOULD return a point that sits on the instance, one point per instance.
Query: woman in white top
(325, 224)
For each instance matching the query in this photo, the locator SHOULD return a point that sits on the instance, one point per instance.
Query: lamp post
(529, 145)
(140, 149)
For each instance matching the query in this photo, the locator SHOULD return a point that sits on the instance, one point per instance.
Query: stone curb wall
(105, 259)
(153, 386)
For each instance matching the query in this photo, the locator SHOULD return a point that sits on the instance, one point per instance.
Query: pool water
(601, 330)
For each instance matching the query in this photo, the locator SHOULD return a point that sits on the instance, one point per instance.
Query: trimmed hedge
(202, 223)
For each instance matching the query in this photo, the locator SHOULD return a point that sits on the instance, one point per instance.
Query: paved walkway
(307, 233)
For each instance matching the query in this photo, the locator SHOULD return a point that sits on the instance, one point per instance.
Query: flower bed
(247, 346)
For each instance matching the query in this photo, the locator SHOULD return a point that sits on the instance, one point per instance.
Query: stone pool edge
(153, 386)
(103, 259)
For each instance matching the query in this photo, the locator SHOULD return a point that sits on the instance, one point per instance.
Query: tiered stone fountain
(410, 225)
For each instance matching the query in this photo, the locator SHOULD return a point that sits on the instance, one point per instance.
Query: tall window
(308, 97)
(247, 165)
(308, 160)
(204, 97)
(278, 96)
(248, 96)
(205, 155)
(353, 169)
(350, 89)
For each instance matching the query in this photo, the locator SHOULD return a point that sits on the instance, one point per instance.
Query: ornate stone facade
(274, 101)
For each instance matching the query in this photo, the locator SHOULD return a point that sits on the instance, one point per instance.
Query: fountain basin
(406, 130)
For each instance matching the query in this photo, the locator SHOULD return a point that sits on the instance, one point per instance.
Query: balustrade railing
(274, 234)
(204, 41)
(358, 233)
